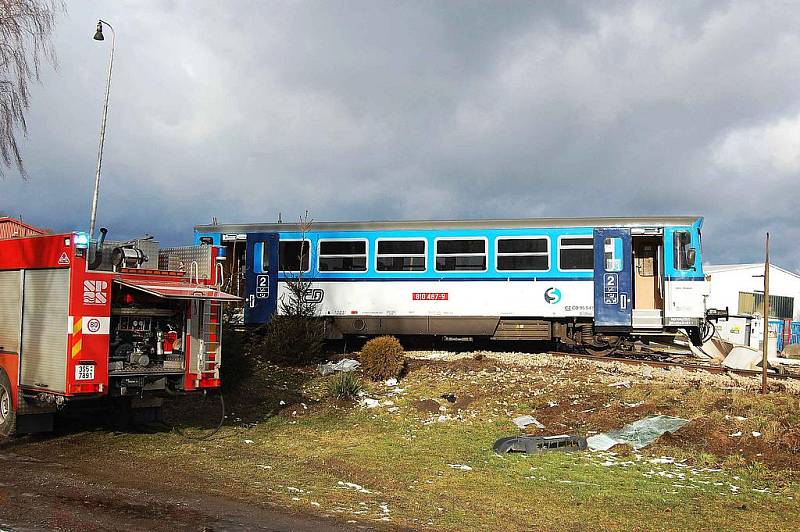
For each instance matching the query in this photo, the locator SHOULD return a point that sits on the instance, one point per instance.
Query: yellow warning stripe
(77, 330)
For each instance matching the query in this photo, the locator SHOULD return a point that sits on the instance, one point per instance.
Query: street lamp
(98, 36)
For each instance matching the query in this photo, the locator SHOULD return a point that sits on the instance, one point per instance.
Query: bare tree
(297, 302)
(26, 27)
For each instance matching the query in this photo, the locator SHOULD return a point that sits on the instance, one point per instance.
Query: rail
(718, 370)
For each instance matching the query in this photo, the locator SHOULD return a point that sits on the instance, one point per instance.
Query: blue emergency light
(81, 240)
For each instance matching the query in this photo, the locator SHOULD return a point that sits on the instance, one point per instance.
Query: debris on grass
(637, 434)
(462, 467)
(353, 486)
(620, 384)
(663, 460)
(345, 365)
(525, 421)
(538, 444)
(368, 402)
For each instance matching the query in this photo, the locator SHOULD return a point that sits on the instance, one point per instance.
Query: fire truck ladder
(209, 356)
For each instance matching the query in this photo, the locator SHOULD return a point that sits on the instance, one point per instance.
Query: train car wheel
(601, 351)
(605, 349)
(8, 417)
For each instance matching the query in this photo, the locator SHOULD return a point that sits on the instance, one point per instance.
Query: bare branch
(26, 27)
(297, 302)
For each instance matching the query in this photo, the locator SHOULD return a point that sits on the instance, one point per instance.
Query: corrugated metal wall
(11, 228)
(10, 310)
(44, 329)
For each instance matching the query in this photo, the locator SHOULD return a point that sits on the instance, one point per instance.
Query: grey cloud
(376, 110)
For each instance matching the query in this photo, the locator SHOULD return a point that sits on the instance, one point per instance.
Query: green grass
(405, 466)
(299, 457)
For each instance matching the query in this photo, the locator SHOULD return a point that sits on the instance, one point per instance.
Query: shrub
(382, 358)
(292, 339)
(344, 385)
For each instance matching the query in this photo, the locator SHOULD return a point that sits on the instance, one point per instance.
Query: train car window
(682, 241)
(461, 255)
(401, 256)
(576, 253)
(523, 254)
(612, 254)
(289, 252)
(342, 256)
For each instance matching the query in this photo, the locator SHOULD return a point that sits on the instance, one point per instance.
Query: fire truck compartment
(147, 334)
(160, 328)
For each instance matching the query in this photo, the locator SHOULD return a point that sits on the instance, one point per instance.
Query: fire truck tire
(8, 417)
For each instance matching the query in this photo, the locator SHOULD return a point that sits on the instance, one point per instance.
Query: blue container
(795, 337)
(777, 326)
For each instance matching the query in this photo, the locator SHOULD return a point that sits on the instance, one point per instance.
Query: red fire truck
(124, 322)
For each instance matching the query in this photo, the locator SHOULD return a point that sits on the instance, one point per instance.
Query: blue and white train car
(592, 282)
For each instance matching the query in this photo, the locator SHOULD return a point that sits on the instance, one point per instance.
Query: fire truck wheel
(8, 418)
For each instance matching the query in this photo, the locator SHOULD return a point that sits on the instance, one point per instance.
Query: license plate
(84, 372)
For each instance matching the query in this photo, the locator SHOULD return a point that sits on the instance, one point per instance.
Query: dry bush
(382, 358)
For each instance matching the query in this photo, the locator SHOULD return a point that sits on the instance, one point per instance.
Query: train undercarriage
(577, 333)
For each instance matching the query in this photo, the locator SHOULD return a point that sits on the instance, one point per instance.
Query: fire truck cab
(83, 321)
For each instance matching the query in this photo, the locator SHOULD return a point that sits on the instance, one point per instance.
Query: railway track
(640, 360)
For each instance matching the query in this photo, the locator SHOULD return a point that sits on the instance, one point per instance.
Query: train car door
(613, 260)
(261, 277)
(648, 278)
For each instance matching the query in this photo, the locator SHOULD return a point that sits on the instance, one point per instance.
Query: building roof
(13, 228)
(719, 268)
(631, 221)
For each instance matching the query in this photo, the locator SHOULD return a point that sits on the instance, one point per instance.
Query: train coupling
(716, 314)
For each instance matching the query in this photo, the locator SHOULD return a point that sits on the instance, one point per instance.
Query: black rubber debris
(539, 444)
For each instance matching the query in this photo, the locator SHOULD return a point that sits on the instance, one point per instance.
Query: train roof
(518, 223)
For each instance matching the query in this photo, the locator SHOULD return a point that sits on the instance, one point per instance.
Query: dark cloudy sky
(386, 110)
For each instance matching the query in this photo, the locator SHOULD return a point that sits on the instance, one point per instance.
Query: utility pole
(766, 319)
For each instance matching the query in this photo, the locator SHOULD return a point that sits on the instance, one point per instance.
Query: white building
(740, 288)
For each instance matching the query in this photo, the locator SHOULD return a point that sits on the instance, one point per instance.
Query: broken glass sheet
(637, 434)
(346, 364)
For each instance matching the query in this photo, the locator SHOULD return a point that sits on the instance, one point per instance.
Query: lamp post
(98, 36)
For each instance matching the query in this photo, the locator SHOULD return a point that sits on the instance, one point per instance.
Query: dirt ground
(601, 396)
(69, 492)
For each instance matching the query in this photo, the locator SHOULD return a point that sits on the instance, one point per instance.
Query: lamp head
(98, 35)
